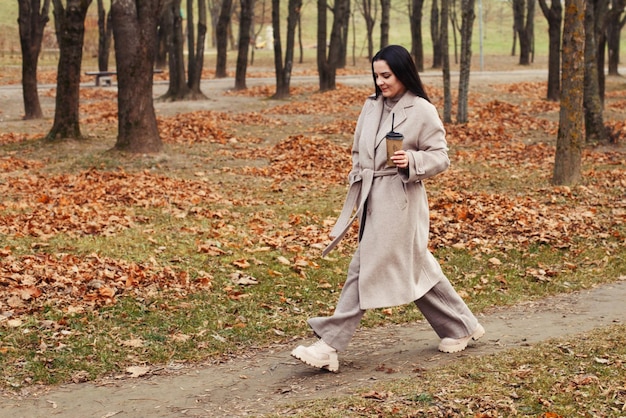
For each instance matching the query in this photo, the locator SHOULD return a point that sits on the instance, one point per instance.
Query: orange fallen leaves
(343, 100)
(97, 202)
(304, 158)
(75, 283)
(93, 202)
(14, 137)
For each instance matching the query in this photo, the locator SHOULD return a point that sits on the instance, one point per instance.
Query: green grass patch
(579, 376)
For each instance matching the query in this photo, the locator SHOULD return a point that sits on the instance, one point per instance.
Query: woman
(392, 264)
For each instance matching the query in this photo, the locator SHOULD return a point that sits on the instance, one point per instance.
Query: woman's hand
(400, 159)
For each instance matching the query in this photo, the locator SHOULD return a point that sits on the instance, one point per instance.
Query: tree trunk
(570, 139)
(300, 45)
(105, 33)
(554, 18)
(530, 29)
(135, 35)
(245, 28)
(467, 21)
(222, 38)
(293, 17)
(326, 76)
(197, 65)
(335, 47)
(592, 103)
(368, 9)
(614, 25)
(190, 29)
(601, 12)
(327, 64)
(455, 29)
(344, 29)
(385, 12)
(518, 22)
(435, 34)
(417, 44)
(31, 21)
(164, 33)
(72, 35)
(283, 71)
(281, 89)
(178, 88)
(445, 63)
(523, 16)
(256, 33)
(214, 9)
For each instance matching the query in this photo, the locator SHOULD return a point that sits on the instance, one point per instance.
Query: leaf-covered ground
(40, 204)
(229, 222)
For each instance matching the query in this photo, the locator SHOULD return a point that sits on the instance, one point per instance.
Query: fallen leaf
(137, 371)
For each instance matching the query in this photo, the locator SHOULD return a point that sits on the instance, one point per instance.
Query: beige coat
(396, 266)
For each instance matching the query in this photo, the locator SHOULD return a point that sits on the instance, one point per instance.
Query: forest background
(496, 16)
(126, 265)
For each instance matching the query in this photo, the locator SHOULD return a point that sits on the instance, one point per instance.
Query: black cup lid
(395, 135)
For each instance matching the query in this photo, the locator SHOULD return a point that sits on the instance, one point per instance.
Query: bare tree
(554, 15)
(467, 20)
(172, 21)
(196, 55)
(184, 85)
(222, 38)
(523, 25)
(105, 34)
(445, 62)
(345, 28)
(599, 27)
(385, 12)
(435, 34)
(327, 77)
(256, 33)
(417, 44)
(71, 20)
(32, 19)
(329, 58)
(135, 35)
(369, 10)
(164, 31)
(245, 29)
(300, 44)
(592, 100)
(615, 23)
(570, 139)
(283, 71)
(214, 10)
(456, 28)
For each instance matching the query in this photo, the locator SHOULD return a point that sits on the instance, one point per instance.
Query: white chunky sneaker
(319, 355)
(454, 345)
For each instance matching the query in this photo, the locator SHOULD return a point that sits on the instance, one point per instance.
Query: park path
(268, 380)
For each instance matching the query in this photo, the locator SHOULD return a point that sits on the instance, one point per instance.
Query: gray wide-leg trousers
(442, 307)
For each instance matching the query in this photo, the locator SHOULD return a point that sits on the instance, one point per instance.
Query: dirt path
(269, 380)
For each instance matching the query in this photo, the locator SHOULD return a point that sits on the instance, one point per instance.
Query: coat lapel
(372, 134)
(370, 127)
(398, 116)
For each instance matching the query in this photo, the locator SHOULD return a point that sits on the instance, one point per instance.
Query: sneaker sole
(478, 333)
(331, 365)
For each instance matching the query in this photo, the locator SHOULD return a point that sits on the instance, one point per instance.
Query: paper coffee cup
(394, 143)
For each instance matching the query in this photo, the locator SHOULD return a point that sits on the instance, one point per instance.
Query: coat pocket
(398, 191)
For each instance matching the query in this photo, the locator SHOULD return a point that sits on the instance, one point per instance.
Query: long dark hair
(403, 67)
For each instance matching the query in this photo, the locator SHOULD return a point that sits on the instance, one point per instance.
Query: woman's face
(387, 81)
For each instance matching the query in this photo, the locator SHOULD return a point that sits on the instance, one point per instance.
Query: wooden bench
(105, 77)
(102, 76)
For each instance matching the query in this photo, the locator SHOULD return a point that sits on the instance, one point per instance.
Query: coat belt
(361, 185)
